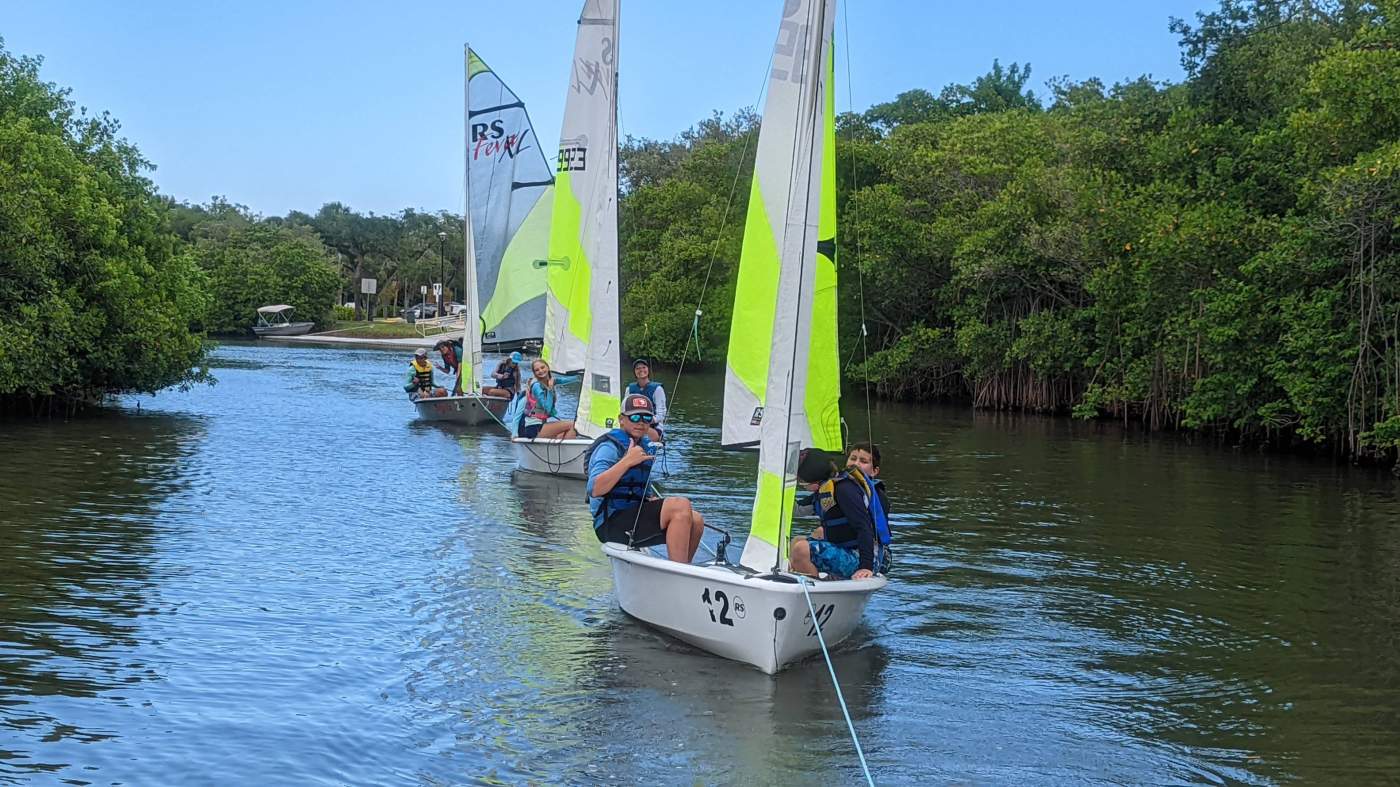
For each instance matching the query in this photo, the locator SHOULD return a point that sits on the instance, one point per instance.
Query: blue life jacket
(832, 516)
(649, 391)
(631, 489)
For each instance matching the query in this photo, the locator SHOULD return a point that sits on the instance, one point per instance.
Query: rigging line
(719, 237)
(840, 698)
(860, 271)
(709, 269)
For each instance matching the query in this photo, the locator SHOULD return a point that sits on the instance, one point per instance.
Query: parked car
(454, 309)
(419, 311)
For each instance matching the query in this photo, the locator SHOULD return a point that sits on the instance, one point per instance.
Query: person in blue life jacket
(652, 390)
(624, 509)
(506, 378)
(854, 538)
(450, 350)
(541, 418)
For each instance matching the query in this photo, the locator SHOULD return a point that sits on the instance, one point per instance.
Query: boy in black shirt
(853, 540)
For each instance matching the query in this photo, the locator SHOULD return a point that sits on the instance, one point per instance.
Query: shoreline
(326, 340)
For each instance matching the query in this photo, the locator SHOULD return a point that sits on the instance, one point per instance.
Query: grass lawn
(385, 330)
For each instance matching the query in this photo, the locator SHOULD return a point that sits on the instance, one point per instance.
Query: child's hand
(863, 573)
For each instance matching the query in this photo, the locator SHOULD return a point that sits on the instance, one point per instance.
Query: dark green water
(283, 579)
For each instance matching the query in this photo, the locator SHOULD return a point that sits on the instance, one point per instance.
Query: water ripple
(284, 578)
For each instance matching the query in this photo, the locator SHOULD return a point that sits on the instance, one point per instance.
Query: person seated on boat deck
(540, 419)
(420, 375)
(624, 510)
(450, 350)
(652, 390)
(854, 537)
(506, 377)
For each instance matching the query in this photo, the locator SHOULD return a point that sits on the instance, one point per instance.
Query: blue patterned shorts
(839, 562)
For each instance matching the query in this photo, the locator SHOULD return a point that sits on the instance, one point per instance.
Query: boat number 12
(722, 600)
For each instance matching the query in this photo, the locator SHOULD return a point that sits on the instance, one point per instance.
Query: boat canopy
(275, 309)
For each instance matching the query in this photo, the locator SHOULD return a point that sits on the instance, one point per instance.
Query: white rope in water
(826, 654)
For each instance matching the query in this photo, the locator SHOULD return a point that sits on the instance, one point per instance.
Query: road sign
(437, 288)
(423, 290)
(369, 286)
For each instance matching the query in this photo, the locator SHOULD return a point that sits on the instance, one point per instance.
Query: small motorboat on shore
(276, 321)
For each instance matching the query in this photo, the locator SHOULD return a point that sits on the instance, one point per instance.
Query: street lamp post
(442, 257)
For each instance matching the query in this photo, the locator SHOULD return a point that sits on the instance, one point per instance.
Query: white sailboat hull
(552, 457)
(720, 609)
(471, 409)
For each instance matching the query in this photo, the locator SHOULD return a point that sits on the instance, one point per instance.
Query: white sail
(581, 322)
(509, 198)
(787, 194)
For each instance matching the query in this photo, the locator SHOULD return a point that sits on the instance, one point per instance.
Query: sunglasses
(638, 418)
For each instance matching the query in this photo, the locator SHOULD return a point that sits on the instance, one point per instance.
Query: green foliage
(343, 313)
(1221, 254)
(682, 219)
(96, 294)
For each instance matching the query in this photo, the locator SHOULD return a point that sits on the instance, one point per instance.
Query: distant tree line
(315, 262)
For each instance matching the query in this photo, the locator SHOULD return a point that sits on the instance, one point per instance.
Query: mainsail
(581, 313)
(509, 190)
(785, 395)
(777, 230)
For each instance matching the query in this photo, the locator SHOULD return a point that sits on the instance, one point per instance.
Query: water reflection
(83, 502)
(680, 711)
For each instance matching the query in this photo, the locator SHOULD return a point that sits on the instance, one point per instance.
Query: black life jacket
(833, 516)
(509, 383)
(630, 490)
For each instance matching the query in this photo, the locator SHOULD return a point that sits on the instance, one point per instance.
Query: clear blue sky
(288, 105)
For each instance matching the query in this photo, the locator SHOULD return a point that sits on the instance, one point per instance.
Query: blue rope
(839, 697)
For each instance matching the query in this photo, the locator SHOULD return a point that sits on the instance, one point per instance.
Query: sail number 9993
(719, 605)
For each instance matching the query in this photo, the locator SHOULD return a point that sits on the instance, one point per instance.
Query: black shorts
(615, 528)
(530, 430)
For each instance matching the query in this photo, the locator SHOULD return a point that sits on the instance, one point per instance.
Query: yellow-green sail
(582, 332)
(784, 394)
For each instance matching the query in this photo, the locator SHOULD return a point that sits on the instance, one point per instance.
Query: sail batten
(785, 395)
(582, 327)
(509, 198)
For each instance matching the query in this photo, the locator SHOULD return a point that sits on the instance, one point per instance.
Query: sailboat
(782, 397)
(582, 330)
(510, 195)
(504, 230)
